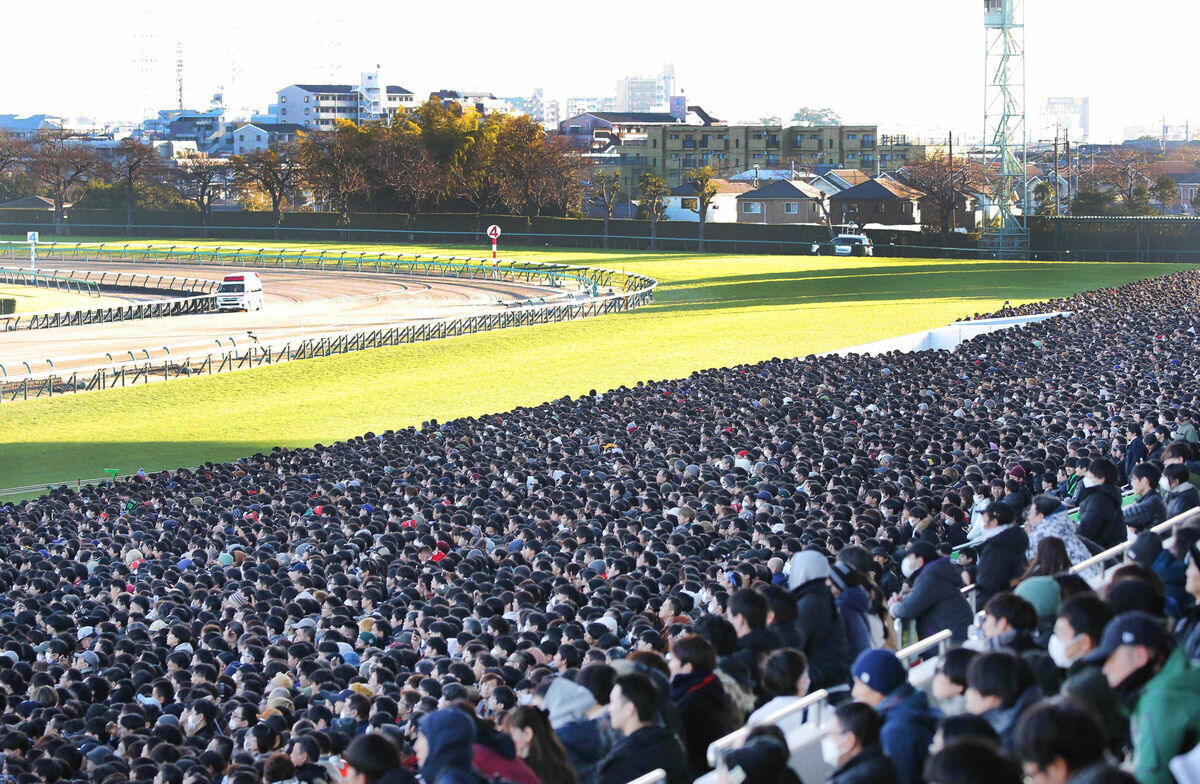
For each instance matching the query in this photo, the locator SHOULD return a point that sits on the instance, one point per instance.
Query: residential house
(782, 201)
(876, 201)
(681, 203)
(251, 137)
(1188, 187)
(28, 126)
(484, 103)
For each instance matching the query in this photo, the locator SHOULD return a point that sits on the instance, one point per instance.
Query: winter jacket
(704, 708)
(1134, 453)
(755, 647)
(1088, 685)
(1001, 560)
(1146, 512)
(825, 638)
(493, 763)
(854, 606)
(649, 748)
(1166, 719)
(1004, 720)
(584, 739)
(393, 776)
(1187, 432)
(869, 766)
(936, 601)
(1187, 634)
(1059, 525)
(1173, 573)
(908, 727)
(1183, 497)
(1100, 517)
(451, 735)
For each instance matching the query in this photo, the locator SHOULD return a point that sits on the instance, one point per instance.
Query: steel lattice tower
(1004, 133)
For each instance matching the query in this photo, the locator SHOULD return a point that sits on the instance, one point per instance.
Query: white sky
(908, 66)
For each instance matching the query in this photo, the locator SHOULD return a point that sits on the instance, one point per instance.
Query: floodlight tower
(1004, 133)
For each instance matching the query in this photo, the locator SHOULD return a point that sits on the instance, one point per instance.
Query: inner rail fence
(640, 292)
(887, 242)
(43, 280)
(592, 279)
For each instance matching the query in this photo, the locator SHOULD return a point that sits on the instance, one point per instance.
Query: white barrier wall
(947, 338)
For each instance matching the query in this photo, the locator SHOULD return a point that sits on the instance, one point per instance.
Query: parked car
(845, 245)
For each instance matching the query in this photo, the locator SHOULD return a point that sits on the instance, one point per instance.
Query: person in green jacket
(1159, 686)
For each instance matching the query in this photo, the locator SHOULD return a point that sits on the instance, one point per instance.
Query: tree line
(433, 157)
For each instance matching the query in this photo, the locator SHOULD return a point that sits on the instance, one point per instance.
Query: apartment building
(646, 93)
(670, 144)
(319, 106)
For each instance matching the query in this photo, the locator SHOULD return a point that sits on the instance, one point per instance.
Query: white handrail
(1113, 552)
(728, 743)
(658, 776)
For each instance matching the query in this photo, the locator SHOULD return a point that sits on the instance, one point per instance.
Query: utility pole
(1057, 207)
(1070, 184)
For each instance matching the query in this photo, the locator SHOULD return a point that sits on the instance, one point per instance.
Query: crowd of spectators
(602, 585)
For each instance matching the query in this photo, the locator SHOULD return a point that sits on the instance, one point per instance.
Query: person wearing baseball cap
(935, 601)
(1159, 686)
(881, 681)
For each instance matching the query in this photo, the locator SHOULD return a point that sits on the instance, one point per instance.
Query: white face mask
(909, 566)
(1089, 481)
(1164, 484)
(1058, 651)
(830, 751)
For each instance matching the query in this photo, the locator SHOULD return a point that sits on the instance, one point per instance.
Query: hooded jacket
(817, 619)
(1001, 560)
(936, 601)
(451, 735)
(583, 739)
(908, 727)
(1166, 719)
(854, 606)
(1100, 518)
(1060, 526)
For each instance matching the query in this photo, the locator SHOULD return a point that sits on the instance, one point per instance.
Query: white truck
(240, 291)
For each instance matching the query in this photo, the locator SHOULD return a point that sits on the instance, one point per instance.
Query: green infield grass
(710, 311)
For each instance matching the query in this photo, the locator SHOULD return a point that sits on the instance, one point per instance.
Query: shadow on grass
(65, 462)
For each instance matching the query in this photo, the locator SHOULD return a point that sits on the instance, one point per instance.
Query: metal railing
(98, 279)
(20, 277)
(592, 279)
(131, 312)
(254, 356)
(718, 750)
(658, 776)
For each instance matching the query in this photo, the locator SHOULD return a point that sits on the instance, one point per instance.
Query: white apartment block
(646, 94)
(319, 106)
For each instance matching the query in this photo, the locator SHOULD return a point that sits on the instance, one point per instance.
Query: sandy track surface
(299, 303)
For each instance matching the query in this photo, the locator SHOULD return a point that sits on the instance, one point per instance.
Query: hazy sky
(913, 66)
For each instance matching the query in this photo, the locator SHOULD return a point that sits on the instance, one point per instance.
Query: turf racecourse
(710, 311)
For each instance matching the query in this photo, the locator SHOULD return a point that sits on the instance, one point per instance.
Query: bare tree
(1126, 173)
(336, 165)
(63, 164)
(200, 181)
(942, 180)
(603, 190)
(402, 163)
(13, 151)
(137, 165)
(276, 172)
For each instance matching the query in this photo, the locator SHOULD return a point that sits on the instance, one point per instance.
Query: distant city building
(319, 106)
(484, 103)
(1072, 116)
(539, 109)
(646, 93)
(251, 137)
(668, 145)
(582, 105)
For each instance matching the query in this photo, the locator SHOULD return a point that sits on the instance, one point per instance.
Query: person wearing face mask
(851, 747)
(1181, 494)
(935, 601)
(1100, 520)
(881, 681)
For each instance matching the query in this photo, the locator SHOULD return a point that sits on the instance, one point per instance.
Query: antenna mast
(1004, 131)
